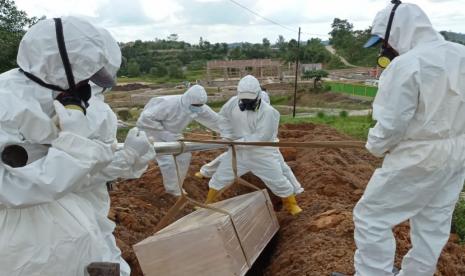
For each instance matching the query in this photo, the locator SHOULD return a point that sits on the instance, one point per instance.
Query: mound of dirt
(130, 87)
(317, 242)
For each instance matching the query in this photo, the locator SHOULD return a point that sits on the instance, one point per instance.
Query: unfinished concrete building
(235, 69)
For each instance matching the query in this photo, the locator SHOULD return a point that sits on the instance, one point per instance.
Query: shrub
(175, 72)
(343, 114)
(124, 114)
(158, 71)
(458, 219)
(135, 112)
(321, 114)
(122, 133)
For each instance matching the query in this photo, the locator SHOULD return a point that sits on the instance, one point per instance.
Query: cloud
(224, 21)
(212, 13)
(122, 13)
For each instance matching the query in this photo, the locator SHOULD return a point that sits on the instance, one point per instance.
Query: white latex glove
(176, 136)
(374, 151)
(71, 120)
(137, 142)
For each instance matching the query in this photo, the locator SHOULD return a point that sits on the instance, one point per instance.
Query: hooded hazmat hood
(86, 47)
(410, 27)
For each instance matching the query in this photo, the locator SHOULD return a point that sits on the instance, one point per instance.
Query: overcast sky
(224, 21)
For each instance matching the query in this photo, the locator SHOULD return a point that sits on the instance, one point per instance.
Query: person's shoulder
(457, 48)
(162, 100)
(266, 107)
(233, 98)
(231, 101)
(408, 63)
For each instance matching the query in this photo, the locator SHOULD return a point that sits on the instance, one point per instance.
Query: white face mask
(195, 109)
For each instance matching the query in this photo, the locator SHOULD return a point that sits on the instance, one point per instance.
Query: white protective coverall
(47, 227)
(208, 170)
(125, 164)
(252, 126)
(420, 111)
(164, 119)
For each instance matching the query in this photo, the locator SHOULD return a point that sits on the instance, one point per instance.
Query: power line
(272, 21)
(261, 16)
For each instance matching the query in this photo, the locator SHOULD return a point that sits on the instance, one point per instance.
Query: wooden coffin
(210, 243)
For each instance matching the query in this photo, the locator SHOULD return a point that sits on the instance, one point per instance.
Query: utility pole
(296, 72)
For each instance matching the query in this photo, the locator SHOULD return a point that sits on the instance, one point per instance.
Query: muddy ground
(318, 241)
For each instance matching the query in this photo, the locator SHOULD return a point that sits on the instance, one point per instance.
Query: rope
(182, 202)
(243, 182)
(184, 199)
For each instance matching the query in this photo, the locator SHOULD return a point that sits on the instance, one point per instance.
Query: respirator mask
(249, 104)
(387, 54)
(196, 108)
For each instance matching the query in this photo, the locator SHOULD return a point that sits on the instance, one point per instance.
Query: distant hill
(454, 37)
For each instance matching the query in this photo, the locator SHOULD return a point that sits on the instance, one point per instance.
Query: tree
(266, 43)
(349, 43)
(12, 24)
(133, 69)
(159, 70)
(175, 72)
(316, 75)
(235, 53)
(173, 37)
(314, 52)
(282, 47)
(281, 42)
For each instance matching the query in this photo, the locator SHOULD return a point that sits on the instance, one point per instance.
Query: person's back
(46, 222)
(424, 87)
(165, 118)
(419, 109)
(441, 106)
(168, 110)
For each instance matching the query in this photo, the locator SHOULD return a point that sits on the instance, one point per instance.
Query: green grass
(121, 134)
(280, 100)
(355, 126)
(216, 105)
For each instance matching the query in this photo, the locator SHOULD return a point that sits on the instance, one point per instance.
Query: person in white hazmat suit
(125, 164)
(48, 159)
(420, 131)
(246, 118)
(209, 169)
(164, 119)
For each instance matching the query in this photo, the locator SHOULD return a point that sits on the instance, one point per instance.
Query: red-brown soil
(317, 242)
